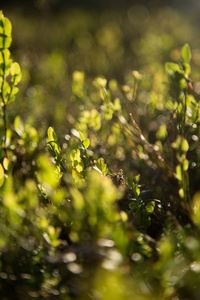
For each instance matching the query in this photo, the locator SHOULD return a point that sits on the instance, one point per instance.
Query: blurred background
(54, 38)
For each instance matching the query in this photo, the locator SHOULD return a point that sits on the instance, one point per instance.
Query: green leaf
(100, 164)
(187, 68)
(184, 145)
(138, 76)
(100, 82)
(181, 144)
(150, 207)
(1, 175)
(81, 136)
(162, 132)
(14, 90)
(117, 105)
(15, 69)
(171, 68)
(5, 33)
(52, 144)
(196, 209)
(185, 165)
(5, 62)
(186, 53)
(183, 84)
(179, 172)
(5, 26)
(51, 135)
(76, 160)
(16, 73)
(86, 143)
(5, 90)
(6, 163)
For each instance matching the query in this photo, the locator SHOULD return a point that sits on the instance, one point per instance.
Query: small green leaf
(138, 76)
(14, 90)
(86, 143)
(196, 209)
(117, 105)
(162, 132)
(185, 165)
(181, 144)
(5, 33)
(184, 145)
(16, 73)
(100, 82)
(76, 160)
(179, 172)
(15, 69)
(6, 163)
(51, 135)
(183, 84)
(150, 207)
(6, 26)
(100, 164)
(6, 89)
(81, 136)
(1, 175)
(171, 68)
(186, 53)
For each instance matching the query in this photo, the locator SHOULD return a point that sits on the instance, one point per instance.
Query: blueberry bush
(112, 210)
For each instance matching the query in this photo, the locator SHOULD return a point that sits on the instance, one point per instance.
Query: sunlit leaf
(171, 68)
(81, 136)
(1, 175)
(5, 33)
(16, 73)
(51, 134)
(186, 53)
(86, 143)
(6, 163)
(179, 172)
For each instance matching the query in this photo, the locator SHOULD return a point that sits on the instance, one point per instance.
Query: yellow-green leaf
(179, 173)
(6, 163)
(81, 136)
(86, 143)
(150, 207)
(16, 73)
(196, 209)
(186, 53)
(1, 175)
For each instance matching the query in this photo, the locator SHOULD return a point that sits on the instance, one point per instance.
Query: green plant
(112, 211)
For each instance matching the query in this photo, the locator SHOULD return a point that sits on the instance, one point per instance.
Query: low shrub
(111, 212)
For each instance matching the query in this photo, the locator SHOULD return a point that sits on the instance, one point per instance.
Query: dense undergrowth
(112, 210)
